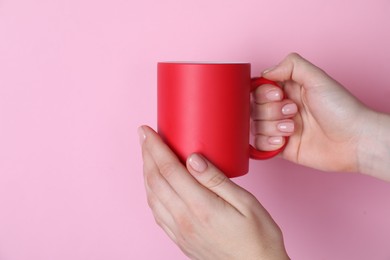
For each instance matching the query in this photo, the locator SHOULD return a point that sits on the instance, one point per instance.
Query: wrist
(373, 151)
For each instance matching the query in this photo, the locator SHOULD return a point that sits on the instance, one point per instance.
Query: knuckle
(216, 180)
(260, 142)
(185, 226)
(151, 202)
(260, 127)
(158, 221)
(258, 94)
(276, 235)
(204, 217)
(152, 199)
(267, 111)
(253, 127)
(203, 212)
(168, 168)
(263, 111)
(150, 179)
(293, 56)
(251, 205)
(250, 200)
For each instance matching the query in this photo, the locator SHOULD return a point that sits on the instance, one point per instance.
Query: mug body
(205, 108)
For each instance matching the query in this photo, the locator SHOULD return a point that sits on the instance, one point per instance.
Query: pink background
(78, 76)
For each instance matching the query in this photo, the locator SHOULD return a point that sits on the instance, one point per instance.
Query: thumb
(296, 68)
(213, 179)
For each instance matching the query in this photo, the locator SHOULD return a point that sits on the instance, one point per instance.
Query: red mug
(205, 108)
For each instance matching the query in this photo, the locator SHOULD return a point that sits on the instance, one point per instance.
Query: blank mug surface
(205, 108)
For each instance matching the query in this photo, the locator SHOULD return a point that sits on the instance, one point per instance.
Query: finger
(296, 68)
(161, 215)
(274, 110)
(269, 143)
(267, 93)
(273, 128)
(214, 180)
(175, 174)
(158, 189)
(169, 210)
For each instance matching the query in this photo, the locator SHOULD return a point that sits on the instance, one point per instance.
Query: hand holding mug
(330, 122)
(206, 214)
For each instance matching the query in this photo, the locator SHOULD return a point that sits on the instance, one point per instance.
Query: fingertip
(277, 141)
(141, 135)
(269, 143)
(290, 109)
(147, 129)
(268, 93)
(147, 133)
(146, 136)
(197, 163)
(274, 95)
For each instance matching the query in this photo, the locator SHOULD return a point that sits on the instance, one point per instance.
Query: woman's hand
(204, 212)
(327, 131)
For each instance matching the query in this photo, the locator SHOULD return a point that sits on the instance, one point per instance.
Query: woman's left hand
(204, 212)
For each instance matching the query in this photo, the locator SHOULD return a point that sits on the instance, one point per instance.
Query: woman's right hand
(330, 123)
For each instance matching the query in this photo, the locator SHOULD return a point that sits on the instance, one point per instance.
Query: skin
(333, 130)
(210, 217)
(204, 212)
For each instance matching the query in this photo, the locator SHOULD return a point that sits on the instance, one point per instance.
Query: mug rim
(205, 62)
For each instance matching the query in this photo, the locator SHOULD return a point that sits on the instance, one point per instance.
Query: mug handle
(253, 152)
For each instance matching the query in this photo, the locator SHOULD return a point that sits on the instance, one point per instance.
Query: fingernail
(268, 70)
(197, 163)
(141, 134)
(286, 127)
(276, 140)
(289, 109)
(273, 95)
